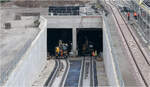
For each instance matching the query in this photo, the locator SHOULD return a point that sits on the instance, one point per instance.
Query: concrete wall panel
(74, 21)
(32, 62)
(108, 59)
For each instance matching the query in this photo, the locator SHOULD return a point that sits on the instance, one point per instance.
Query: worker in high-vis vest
(93, 53)
(57, 51)
(96, 53)
(135, 15)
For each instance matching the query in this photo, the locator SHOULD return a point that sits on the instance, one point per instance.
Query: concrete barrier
(108, 59)
(32, 62)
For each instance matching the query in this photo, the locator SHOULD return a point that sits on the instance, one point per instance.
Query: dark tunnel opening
(53, 37)
(88, 37)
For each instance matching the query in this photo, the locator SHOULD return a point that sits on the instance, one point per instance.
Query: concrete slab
(32, 61)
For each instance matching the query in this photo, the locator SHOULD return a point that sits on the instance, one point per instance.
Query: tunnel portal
(88, 40)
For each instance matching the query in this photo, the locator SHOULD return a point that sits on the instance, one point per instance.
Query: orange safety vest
(135, 14)
(93, 54)
(61, 52)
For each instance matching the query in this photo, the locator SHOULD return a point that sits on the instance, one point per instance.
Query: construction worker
(61, 51)
(135, 15)
(57, 52)
(93, 54)
(128, 15)
(64, 46)
(60, 43)
(96, 53)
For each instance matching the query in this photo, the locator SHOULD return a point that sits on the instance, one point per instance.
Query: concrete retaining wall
(32, 62)
(108, 58)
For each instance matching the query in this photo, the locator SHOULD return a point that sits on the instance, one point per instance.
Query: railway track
(87, 75)
(59, 74)
(147, 58)
(78, 73)
(136, 53)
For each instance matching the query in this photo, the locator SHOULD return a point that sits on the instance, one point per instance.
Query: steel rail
(54, 75)
(50, 78)
(65, 73)
(81, 73)
(133, 36)
(55, 71)
(92, 72)
(148, 62)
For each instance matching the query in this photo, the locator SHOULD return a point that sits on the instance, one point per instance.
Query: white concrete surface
(74, 40)
(74, 21)
(13, 44)
(108, 60)
(32, 61)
